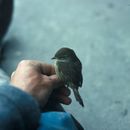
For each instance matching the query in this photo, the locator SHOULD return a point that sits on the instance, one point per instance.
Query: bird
(68, 69)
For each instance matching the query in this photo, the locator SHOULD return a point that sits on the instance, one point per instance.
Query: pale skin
(39, 80)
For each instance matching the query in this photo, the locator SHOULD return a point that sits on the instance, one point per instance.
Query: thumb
(55, 81)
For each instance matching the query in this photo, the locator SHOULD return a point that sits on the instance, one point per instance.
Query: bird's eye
(62, 58)
(65, 56)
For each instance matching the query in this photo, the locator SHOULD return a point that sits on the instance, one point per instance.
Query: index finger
(47, 69)
(44, 68)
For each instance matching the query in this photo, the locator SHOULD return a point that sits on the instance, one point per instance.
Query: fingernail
(68, 101)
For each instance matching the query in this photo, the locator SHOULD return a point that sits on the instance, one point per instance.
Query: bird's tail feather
(78, 97)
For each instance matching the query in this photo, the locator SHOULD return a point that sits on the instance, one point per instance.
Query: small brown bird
(69, 69)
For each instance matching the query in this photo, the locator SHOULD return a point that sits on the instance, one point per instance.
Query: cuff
(25, 104)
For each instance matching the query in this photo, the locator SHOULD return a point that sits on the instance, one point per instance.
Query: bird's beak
(53, 58)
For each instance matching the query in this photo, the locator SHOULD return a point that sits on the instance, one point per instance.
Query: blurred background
(99, 32)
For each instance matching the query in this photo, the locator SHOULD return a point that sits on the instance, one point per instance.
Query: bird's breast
(59, 70)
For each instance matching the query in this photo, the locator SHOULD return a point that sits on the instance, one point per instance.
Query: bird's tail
(78, 97)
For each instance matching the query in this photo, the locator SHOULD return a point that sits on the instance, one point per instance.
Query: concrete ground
(99, 32)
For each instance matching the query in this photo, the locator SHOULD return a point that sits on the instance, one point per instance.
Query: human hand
(39, 80)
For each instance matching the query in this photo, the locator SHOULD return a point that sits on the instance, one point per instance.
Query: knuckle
(24, 62)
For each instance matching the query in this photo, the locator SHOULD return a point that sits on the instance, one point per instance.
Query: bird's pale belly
(59, 74)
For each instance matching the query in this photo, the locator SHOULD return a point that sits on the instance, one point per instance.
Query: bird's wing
(72, 72)
(78, 68)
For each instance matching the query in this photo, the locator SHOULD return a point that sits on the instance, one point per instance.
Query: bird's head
(65, 54)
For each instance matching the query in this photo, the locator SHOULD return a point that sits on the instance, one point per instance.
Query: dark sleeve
(18, 110)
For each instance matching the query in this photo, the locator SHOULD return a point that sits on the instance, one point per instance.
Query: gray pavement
(99, 32)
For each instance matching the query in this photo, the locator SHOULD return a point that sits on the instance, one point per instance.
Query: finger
(44, 68)
(51, 81)
(47, 69)
(56, 81)
(62, 91)
(61, 95)
(64, 100)
(65, 91)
